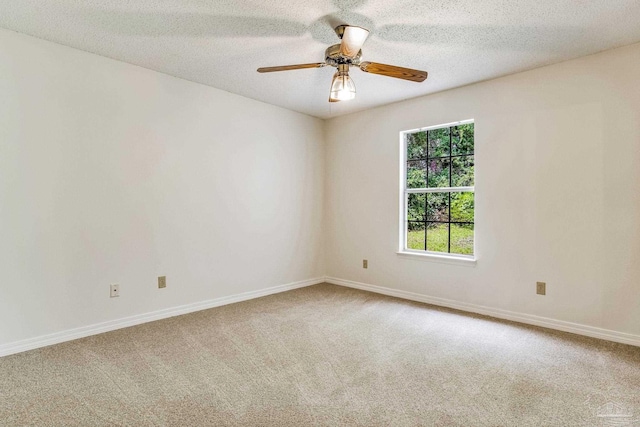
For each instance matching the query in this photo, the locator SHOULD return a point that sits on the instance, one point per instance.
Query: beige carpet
(324, 355)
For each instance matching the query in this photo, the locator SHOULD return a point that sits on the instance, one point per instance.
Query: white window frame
(404, 197)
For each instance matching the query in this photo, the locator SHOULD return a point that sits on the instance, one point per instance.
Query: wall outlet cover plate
(114, 291)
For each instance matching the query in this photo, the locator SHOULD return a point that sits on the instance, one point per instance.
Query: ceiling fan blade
(291, 67)
(352, 40)
(333, 100)
(393, 71)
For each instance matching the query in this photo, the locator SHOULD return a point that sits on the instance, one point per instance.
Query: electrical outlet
(162, 282)
(541, 288)
(114, 291)
(365, 263)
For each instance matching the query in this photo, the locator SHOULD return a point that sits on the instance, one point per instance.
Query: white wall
(110, 173)
(557, 198)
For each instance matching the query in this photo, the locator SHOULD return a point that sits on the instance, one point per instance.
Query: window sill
(447, 259)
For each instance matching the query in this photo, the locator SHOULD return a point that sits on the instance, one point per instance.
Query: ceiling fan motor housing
(334, 58)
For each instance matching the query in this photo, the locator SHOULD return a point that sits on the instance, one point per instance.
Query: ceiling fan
(347, 54)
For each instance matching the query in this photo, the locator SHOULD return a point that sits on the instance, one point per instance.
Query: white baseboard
(545, 322)
(85, 331)
(98, 328)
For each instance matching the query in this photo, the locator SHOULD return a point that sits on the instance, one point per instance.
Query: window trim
(403, 208)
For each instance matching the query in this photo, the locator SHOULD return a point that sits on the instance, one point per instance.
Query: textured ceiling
(221, 42)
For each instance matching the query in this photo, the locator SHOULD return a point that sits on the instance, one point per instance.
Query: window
(438, 190)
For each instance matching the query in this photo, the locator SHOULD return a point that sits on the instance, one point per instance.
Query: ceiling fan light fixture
(342, 86)
(352, 40)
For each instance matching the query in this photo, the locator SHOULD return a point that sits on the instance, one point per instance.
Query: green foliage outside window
(441, 158)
